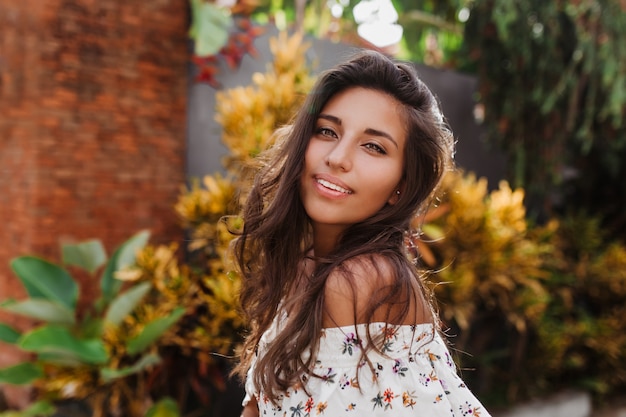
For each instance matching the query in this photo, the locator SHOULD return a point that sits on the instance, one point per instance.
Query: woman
(340, 320)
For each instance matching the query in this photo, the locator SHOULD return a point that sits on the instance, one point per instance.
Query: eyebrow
(368, 131)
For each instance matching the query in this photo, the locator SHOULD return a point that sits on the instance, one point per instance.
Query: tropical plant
(538, 307)
(221, 34)
(552, 80)
(99, 355)
(197, 351)
(250, 115)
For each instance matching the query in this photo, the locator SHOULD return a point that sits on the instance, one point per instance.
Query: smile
(332, 186)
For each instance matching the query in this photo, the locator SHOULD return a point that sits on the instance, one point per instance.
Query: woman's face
(354, 161)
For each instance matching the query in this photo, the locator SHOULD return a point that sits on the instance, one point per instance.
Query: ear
(396, 194)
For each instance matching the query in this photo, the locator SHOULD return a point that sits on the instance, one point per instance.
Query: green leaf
(8, 334)
(90, 328)
(166, 407)
(21, 374)
(39, 309)
(125, 303)
(123, 257)
(58, 339)
(146, 361)
(89, 255)
(153, 331)
(43, 279)
(209, 28)
(128, 250)
(69, 360)
(39, 409)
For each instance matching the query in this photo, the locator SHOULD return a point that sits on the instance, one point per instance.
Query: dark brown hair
(276, 234)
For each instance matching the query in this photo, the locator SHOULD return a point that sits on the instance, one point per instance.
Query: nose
(339, 156)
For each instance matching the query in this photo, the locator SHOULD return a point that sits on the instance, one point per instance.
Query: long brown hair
(276, 234)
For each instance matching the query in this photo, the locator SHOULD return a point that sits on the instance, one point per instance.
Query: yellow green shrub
(538, 308)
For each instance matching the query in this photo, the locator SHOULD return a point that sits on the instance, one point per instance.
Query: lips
(332, 186)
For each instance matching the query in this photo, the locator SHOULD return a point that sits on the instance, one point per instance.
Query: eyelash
(326, 132)
(376, 148)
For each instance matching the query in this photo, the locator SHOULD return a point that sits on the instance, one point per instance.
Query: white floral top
(415, 377)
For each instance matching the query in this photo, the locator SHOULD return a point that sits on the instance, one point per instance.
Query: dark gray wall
(455, 91)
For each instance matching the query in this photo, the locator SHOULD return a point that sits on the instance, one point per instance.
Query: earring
(397, 192)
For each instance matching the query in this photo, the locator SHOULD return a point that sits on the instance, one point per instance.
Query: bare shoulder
(370, 273)
(350, 291)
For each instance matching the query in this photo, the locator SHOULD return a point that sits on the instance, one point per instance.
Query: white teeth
(333, 186)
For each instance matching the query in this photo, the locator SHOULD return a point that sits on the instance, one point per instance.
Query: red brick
(93, 95)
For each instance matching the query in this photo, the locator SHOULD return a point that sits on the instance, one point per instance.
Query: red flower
(309, 405)
(388, 395)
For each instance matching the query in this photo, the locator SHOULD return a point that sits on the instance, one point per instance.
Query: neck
(325, 239)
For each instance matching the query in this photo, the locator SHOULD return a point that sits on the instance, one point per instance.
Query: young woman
(341, 323)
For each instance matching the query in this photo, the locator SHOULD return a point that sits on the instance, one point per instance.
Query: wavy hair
(276, 234)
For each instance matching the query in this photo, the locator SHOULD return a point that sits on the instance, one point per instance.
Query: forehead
(368, 108)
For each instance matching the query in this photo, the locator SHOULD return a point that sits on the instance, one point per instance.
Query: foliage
(582, 334)
(539, 307)
(100, 355)
(221, 33)
(249, 115)
(37, 409)
(552, 79)
(530, 302)
(197, 349)
(432, 30)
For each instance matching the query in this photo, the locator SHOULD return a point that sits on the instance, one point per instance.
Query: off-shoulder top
(415, 376)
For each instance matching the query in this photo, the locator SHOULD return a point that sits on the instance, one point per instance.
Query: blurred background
(128, 135)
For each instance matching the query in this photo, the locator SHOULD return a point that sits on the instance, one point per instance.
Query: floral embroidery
(444, 385)
(309, 405)
(399, 368)
(403, 376)
(350, 344)
(344, 381)
(297, 411)
(389, 338)
(383, 400)
(378, 401)
(329, 378)
(427, 379)
(468, 410)
(388, 396)
(432, 357)
(408, 399)
(321, 407)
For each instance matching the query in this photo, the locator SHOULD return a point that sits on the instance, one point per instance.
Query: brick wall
(92, 125)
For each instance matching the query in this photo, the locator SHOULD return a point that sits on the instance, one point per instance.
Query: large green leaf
(90, 328)
(21, 374)
(89, 255)
(58, 339)
(8, 334)
(209, 28)
(69, 360)
(146, 361)
(165, 407)
(153, 331)
(43, 279)
(39, 409)
(125, 303)
(40, 309)
(123, 257)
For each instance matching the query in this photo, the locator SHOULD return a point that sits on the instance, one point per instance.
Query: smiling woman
(353, 163)
(340, 319)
